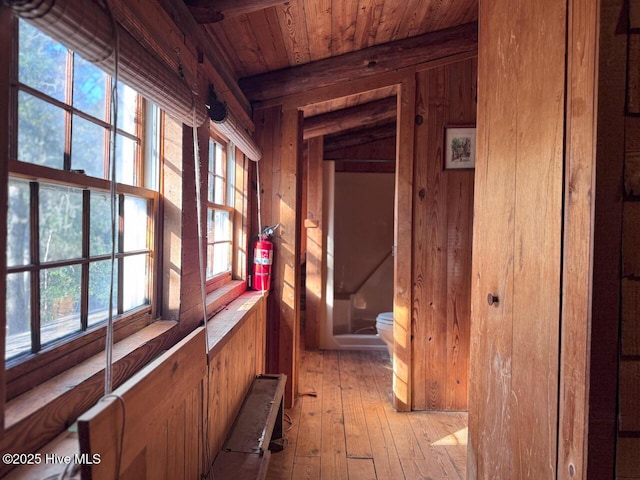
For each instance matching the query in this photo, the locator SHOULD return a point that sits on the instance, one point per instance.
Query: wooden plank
(633, 74)
(343, 27)
(361, 469)
(407, 445)
(176, 454)
(630, 342)
(367, 21)
(632, 174)
(429, 369)
(383, 448)
(287, 279)
(268, 136)
(318, 19)
(316, 249)
(334, 449)
(309, 442)
(631, 239)
(459, 239)
(293, 26)
(379, 111)
(99, 427)
(628, 460)
(306, 468)
(355, 425)
(402, 301)
(490, 434)
(194, 433)
(440, 444)
(537, 239)
(362, 64)
(267, 31)
(629, 389)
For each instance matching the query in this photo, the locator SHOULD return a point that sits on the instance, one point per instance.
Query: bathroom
(359, 207)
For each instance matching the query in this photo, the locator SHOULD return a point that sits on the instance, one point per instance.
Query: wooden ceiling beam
(358, 137)
(352, 117)
(365, 63)
(212, 11)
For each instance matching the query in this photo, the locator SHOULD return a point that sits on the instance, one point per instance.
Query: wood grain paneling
(631, 240)
(177, 434)
(516, 246)
(316, 248)
(630, 342)
(402, 241)
(629, 416)
(578, 240)
(442, 217)
(280, 136)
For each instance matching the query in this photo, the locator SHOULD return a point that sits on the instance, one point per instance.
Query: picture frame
(459, 147)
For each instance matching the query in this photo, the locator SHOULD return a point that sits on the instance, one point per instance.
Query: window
(220, 212)
(59, 218)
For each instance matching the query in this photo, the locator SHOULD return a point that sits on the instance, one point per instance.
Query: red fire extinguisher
(262, 260)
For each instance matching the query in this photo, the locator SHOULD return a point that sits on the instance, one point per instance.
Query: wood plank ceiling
(261, 36)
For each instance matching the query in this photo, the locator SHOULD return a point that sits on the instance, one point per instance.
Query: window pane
(42, 62)
(89, 88)
(135, 224)
(18, 224)
(127, 108)
(59, 302)
(126, 150)
(221, 255)
(218, 230)
(40, 132)
(18, 297)
(60, 223)
(219, 159)
(222, 226)
(135, 281)
(99, 286)
(89, 142)
(219, 191)
(100, 221)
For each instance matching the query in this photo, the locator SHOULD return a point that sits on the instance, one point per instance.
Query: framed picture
(459, 147)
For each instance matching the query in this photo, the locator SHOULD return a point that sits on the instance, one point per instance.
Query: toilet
(384, 326)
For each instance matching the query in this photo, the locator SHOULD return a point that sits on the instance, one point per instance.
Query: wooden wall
(176, 434)
(442, 227)
(513, 404)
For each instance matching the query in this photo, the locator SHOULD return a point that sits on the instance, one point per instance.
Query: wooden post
(316, 248)
(288, 250)
(402, 301)
(280, 136)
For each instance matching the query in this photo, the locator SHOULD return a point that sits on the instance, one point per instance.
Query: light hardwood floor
(344, 426)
